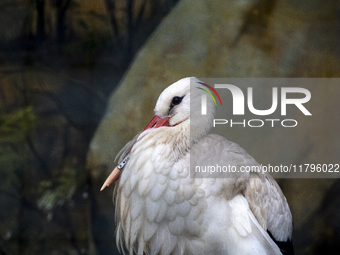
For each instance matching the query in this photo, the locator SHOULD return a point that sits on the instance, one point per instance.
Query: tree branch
(110, 6)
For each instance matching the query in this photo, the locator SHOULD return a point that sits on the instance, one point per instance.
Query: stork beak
(115, 174)
(156, 122)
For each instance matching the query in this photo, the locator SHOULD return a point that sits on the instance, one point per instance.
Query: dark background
(59, 62)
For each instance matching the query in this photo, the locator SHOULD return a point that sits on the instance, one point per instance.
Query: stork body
(160, 209)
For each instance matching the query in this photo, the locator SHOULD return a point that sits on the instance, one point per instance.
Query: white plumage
(161, 210)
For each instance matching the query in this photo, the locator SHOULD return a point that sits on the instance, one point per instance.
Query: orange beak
(156, 122)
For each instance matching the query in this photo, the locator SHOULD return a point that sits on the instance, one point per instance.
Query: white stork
(160, 209)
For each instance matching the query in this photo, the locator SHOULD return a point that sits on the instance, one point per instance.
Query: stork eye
(176, 101)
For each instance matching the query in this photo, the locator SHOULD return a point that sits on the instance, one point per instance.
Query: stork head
(180, 104)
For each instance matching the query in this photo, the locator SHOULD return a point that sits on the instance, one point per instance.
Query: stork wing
(264, 196)
(269, 206)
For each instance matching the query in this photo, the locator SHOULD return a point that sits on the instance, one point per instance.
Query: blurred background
(79, 78)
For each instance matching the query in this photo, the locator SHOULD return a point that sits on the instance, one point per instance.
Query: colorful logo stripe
(209, 94)
(213, 90)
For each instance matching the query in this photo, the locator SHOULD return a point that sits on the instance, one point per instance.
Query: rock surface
(239, 39)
